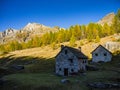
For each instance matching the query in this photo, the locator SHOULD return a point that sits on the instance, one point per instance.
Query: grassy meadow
(39, 74)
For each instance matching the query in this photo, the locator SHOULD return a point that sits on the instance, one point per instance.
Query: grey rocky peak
(38, 29)
(107, 19)
(33, 26)
(1, 35)
(9, 32)
(30, 30)
(7, 35)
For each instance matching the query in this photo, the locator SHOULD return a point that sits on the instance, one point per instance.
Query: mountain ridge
(32, 29)
(107, 19)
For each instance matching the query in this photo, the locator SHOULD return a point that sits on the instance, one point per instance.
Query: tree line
(91, 32)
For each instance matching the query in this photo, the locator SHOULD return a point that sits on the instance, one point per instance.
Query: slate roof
(102, 47)
(75, 51)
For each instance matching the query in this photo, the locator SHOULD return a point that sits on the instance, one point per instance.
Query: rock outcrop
(9, 32)
(31, 29)
(107, 19)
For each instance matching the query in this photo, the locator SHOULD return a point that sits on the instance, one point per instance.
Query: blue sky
(64, 13)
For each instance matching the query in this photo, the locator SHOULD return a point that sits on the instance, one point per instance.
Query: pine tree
(116, 22)
(83, 32)
(2, 48)
(54, 46)
(90, 33)
(97, 39)
(72, 41)
(77, 32)
(106, 29)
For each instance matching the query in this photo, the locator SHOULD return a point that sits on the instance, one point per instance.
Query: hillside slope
(48, 52)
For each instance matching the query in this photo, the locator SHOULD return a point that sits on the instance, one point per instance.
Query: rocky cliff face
(107, 19)
(9, 32)
(36, 28)
(31, 29)
(1, 35)
(33, 26)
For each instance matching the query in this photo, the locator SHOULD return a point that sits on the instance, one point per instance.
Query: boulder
(115, 85)
(96, 85)
(103, 85)
(65, 81)
(17, 67)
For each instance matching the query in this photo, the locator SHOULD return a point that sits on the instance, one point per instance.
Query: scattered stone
(65, 81)
(103, 85)
(17, 67)
(115, 85)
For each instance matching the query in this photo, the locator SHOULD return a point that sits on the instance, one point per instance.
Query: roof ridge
(102, 47)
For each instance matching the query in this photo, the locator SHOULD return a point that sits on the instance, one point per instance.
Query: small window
(59, 69)
(72, 70)
(83, 61)
(65, 51)
(105, 54)
(71, 60)
(96, 54)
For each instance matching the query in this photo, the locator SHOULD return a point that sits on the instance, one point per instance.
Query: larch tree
(72, 40)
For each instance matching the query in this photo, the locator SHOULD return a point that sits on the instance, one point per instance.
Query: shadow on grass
(38, 81)
(31, 64)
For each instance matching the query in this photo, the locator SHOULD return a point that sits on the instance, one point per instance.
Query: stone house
(70, 61)
(101, 54)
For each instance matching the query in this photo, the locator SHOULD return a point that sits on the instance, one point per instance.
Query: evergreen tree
(72, 41)
(116, 22)
(97, 39)
(77, 32)
(54, 45)
(2, 48)
(106, 29)
(83, 32)
(91, 31)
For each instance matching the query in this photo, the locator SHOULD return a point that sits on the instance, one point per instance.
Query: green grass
(49, 81)
(39, 75)
(42, 81)
(34, 79)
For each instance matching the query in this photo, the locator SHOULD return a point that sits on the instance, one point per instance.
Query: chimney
(62, 46)
(79, 48)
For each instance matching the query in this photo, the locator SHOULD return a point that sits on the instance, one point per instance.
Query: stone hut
(70, 61)
(101, 54)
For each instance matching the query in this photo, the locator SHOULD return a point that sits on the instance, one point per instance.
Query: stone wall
(101, 54)
(68, 60)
